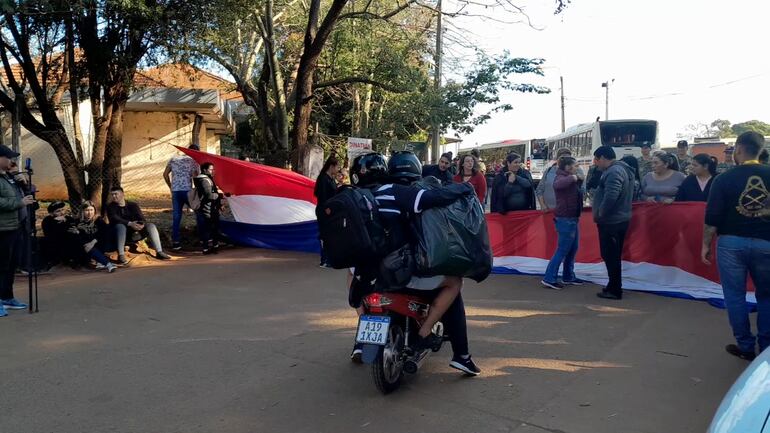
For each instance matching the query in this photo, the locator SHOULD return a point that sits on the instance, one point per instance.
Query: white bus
(534, 153)
(626, 136)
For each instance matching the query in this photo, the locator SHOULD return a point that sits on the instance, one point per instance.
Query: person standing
(728, 163)
(178, 175)
(208, 212)
(612, 213)
(440, 171)
(325, 188)
(569, 205)
(738, 212)
(12, 204)
(682, 147)
(662, 184)
(512, 188)
(545, 193)
(470, 172)
(698, 184)
(645, 161)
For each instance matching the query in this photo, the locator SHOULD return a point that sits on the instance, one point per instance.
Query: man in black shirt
(738, 210)
(127, 219)
(440, 171)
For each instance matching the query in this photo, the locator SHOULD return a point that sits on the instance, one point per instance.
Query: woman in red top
(469, 172)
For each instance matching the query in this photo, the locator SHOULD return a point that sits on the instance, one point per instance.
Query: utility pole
(561, 79)
(436, 142)
(606, 86)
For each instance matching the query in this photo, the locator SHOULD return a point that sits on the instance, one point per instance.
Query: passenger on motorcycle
(398, 198)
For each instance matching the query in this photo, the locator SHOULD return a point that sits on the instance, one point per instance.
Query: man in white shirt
(179, 173)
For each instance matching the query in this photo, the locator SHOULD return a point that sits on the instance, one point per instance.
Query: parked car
(746, 406)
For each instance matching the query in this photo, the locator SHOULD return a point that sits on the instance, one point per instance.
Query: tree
(51, 47)
(751, 125)
(722, 127)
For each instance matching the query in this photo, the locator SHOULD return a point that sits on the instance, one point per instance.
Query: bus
(627, 137)
(534, 153)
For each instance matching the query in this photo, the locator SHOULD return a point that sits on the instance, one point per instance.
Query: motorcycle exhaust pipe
(413, 363)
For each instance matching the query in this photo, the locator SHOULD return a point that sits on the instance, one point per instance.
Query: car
(746, 406)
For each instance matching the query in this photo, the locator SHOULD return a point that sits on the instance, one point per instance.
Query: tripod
(32, 246)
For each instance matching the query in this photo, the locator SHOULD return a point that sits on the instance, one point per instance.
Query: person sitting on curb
(59, 244)
(127, 219)
(93, 235)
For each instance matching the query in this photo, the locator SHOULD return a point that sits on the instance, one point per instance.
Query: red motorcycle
(390, 321)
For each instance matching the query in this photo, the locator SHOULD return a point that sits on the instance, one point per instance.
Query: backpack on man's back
(350, 230)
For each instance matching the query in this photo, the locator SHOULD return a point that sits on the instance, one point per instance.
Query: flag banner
(275, 208)
(272, 207)
(661, 253)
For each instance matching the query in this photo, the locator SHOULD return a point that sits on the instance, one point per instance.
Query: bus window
(628, 133)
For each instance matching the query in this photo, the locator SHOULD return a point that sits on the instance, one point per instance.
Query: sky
(676, 61)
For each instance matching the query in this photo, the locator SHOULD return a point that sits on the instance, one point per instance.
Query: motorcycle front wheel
(388, 369)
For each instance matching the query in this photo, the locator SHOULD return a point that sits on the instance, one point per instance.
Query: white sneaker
(111, 267)
(100, 266)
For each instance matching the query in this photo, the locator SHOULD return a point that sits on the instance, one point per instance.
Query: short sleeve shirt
(183, 169)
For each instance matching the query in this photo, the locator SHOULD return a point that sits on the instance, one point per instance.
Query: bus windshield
(623, 134)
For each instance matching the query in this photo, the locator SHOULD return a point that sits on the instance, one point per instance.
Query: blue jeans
(566, 249)
(178, 200)
(738, 257)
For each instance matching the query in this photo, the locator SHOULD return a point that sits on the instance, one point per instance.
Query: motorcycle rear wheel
(388, 369)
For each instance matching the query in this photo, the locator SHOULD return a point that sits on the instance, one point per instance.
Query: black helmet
(404, 167)
(374, 169)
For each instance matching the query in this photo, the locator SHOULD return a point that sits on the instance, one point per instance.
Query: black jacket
(325, 188)
(689, 190)
(507, 196)
(445, 177)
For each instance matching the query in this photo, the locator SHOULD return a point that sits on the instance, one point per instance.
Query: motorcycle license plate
(373, 330)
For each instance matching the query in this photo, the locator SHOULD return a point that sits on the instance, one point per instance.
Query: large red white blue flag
(275, 208)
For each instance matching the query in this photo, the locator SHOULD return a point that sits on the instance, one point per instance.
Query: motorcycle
(390, 321)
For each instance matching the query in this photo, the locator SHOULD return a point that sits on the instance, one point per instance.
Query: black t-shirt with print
(739, 202)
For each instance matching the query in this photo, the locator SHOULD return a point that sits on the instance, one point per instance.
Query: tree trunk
(101, 121)
(366, 109)
(196, 130)
(73, 89)
(280, 115)
(315, 39)
(112, 169)
(356, 115)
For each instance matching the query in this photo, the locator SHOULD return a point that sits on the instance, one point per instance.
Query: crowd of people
(83, 235)
(736, 192)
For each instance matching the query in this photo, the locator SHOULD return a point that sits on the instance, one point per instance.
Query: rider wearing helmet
(397, 202)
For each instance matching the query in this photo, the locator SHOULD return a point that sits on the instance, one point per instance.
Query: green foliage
(752, 125)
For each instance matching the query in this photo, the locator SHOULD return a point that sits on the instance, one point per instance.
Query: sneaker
(608, 295)
(100, 266)
(111, 267)
(122, 260)
(176, 246)
(215, 246)
(355, 355)
(430, 342)
(160, 255)
(575, 282)
(467, 366)
(734, 350)
(13, 304)
(3, 313)
(555, 286)
(209, 251)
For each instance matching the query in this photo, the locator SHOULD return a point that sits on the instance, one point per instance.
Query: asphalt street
(258, 341)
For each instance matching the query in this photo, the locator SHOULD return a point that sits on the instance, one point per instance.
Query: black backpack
(350, 230)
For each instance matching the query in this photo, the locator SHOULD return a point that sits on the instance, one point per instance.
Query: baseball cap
(7, 152)
(682, 143)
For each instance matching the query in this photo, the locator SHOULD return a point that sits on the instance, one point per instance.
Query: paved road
(257, 341)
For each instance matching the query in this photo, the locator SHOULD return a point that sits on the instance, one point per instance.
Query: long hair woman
(696, 186)
(325, 188)
(470, 172)
(662, 183)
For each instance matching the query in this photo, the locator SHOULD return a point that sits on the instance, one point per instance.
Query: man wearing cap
(728, 162)
(179, 173)
(645, 161)
(544, 192)
(12, 204)
(684, 159)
